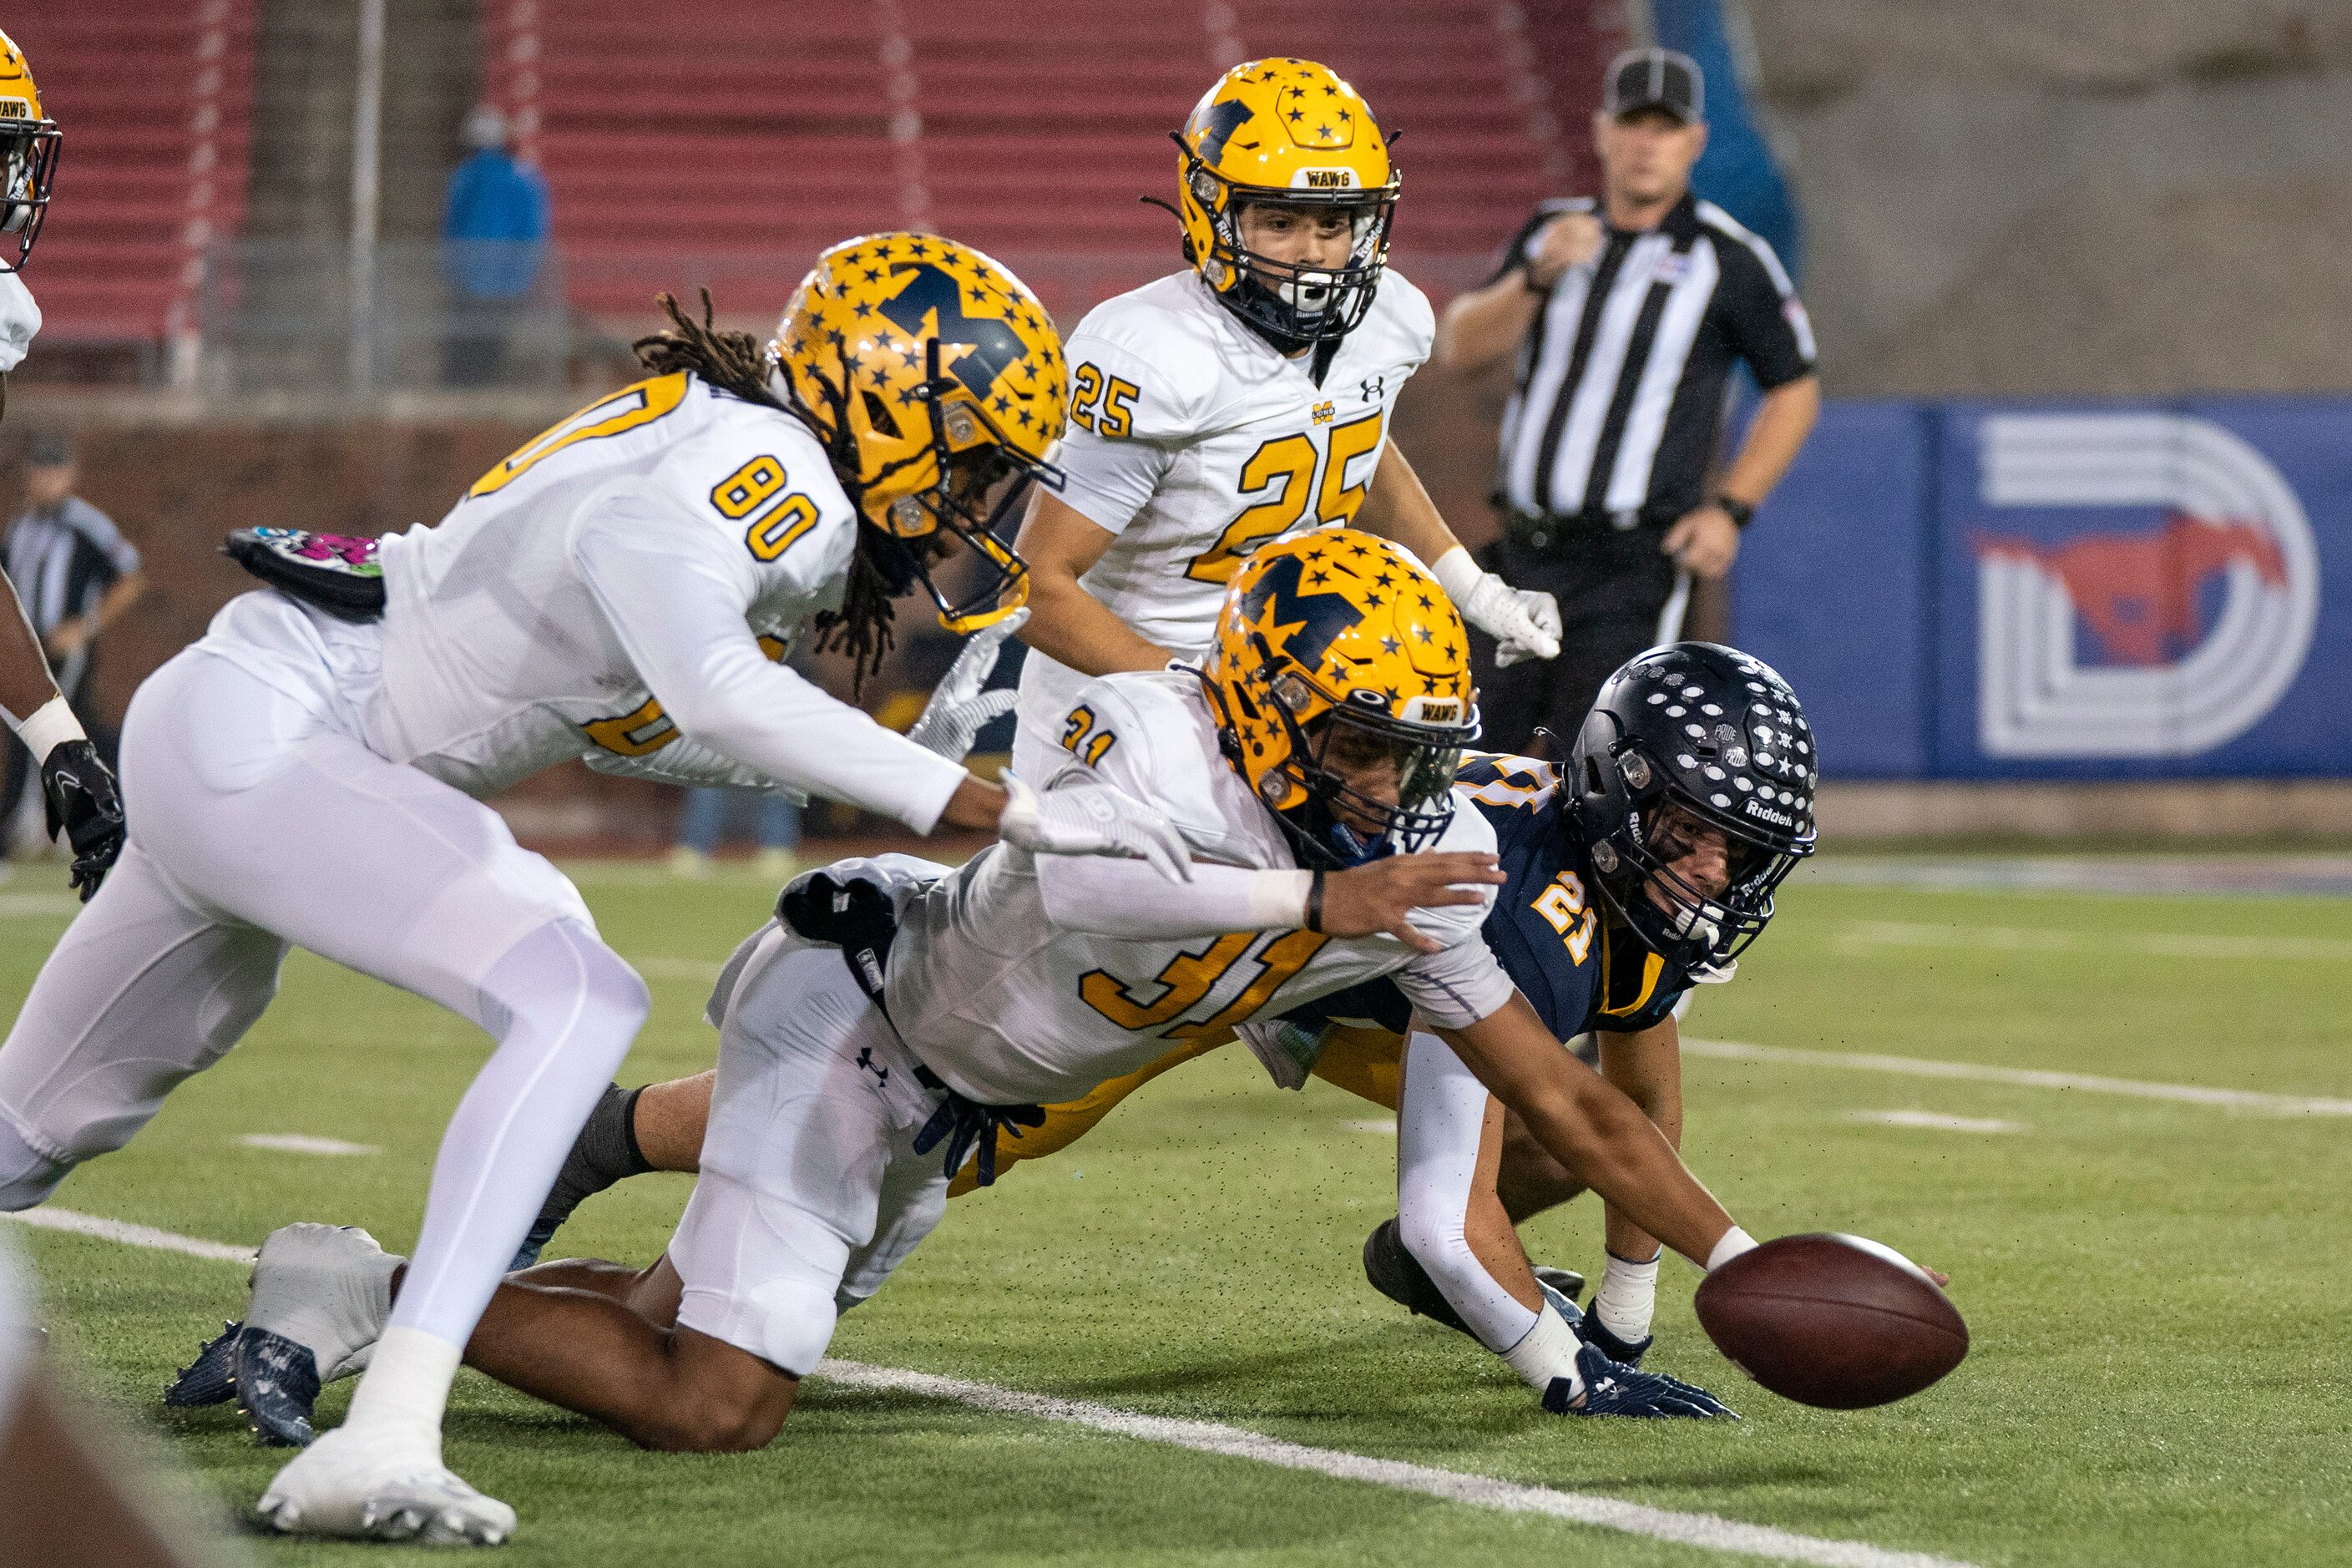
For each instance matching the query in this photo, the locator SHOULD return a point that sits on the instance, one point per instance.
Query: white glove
(958, 709)
(1089, 816)
(1523, 621)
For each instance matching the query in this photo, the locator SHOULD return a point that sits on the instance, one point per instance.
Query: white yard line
(128, 1235)
(1701, 1529)
(1935, 1121)
(2150, 944)
(2025, 1077)
(304, 1144)
(658, 968)
(1705, 1530)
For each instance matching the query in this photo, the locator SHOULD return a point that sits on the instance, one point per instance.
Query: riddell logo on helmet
(1778, 818)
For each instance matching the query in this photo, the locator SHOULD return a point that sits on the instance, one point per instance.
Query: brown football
(1832, 1320)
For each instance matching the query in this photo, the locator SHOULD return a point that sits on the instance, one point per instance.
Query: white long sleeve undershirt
(1128, 898)
(677, 601)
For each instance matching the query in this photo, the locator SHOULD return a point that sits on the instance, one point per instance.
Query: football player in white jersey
(1241, 400)
(895, 1007)
(310, 773)
(76, 787)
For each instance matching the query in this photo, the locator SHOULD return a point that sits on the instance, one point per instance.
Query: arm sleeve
(675, 591)
(1767, 322)
(1115, 898)
(689, 765)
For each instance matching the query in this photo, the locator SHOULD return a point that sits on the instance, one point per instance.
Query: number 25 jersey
(1195, 441)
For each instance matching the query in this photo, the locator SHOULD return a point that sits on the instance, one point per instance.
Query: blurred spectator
(1627, 313)
(704, 823)
(494, 232)
(75, 573)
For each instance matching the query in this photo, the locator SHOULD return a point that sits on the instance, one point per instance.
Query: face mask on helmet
(28, 161)
(1295, 303)
(1375, 785)
(970, 485)
(1696, 887)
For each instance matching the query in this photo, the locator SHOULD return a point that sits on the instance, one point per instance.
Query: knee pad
(27, 1177)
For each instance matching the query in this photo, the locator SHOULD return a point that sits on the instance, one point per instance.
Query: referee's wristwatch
(1737, 510)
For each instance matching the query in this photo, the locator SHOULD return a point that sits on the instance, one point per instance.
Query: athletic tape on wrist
(51, 725)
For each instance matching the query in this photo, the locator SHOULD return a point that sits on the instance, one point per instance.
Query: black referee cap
(1655, 78)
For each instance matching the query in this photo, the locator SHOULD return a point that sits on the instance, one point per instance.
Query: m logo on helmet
(1218, 123)
(992, 344)
(1319, 617)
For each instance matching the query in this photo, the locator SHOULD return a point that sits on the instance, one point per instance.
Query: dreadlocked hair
(736, 362)
(732, 362)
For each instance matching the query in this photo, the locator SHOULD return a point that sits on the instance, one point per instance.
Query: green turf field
(2160, 1289)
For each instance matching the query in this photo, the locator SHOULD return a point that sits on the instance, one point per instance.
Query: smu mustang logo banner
(2156, 596)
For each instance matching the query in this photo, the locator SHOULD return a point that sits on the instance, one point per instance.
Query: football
(1836, 1321)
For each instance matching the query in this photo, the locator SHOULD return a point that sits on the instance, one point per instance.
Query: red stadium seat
(155, 100)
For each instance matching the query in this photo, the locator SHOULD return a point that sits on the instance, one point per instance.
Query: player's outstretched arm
(26, 684)
(1591, 1126)
(1117, 899)
(76, 787)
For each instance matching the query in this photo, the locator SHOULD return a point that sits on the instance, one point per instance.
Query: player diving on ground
(620, 589)
(897, 1016)
(1646, 864)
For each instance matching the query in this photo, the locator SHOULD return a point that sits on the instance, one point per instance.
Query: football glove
(1614, 1389)
(77, 789)
(1089, 816)
(1524, 622)
(958, 709)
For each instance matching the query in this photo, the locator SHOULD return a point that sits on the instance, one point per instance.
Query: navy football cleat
(276, 1385)
(1625, 1352)
(209, 1379)
(1614, 1389)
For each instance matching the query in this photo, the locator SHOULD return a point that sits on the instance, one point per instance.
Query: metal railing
(298, 316)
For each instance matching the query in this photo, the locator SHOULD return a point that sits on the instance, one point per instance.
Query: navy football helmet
(1694, 735)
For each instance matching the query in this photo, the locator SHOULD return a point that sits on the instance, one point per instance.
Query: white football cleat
(379, 1483)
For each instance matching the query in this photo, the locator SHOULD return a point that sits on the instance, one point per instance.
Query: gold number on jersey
(648, 728)
(1189, 977)
(1562, 904)
(625, 410)
(746, 490)
(1082, 738)
(1292, 462)
(1115, 416)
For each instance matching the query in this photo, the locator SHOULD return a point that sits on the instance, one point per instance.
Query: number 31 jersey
(1195, 441)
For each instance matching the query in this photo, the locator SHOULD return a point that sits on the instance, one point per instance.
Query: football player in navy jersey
(1642, 867)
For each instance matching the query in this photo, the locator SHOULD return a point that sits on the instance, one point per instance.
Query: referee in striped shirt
(1627, 314)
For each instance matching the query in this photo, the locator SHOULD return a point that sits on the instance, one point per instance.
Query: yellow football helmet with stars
(1334, 645)
(29, 141)
(935, 380)
(1291, 131)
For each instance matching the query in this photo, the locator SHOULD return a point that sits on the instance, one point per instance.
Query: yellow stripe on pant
(1365, 1062)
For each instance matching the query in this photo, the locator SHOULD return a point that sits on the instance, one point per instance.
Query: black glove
(78, 790)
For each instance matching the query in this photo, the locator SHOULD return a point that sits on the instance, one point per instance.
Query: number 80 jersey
(1195, 441)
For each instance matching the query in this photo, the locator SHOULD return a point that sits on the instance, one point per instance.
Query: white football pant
(257, 823)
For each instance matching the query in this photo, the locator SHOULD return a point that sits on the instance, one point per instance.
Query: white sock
(1734, 1242)
(1546, 1351)
(407, 1385)
(1627, 1298)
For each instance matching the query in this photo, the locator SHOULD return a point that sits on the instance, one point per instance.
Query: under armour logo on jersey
(992, 344)
(866, 1061)
(1375, 387)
